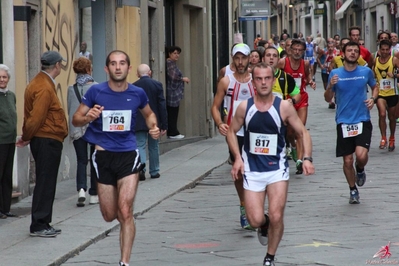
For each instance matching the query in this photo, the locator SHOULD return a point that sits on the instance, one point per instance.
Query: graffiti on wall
(60, 35)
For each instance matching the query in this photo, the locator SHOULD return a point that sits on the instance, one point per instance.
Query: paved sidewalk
(180, 168)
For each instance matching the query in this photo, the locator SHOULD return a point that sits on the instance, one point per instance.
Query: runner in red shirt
(354, 36)
(299, 69)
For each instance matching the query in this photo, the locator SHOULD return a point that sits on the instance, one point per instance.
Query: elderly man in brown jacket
(45, 128)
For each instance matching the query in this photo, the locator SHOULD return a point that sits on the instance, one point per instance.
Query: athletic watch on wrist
(310, 159)
(372, 98)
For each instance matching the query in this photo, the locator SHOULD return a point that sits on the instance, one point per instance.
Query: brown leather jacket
(43, 113)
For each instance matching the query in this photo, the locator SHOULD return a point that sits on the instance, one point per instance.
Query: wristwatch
(310, 159)
(372, 98)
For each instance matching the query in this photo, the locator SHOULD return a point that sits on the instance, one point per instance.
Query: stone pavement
(81, 227)
(199, 225)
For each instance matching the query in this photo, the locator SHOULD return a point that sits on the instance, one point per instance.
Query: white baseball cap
(241, 48)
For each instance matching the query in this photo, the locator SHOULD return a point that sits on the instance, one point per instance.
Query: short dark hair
(343, 39)
(354, 28)
(350, 44)
(272, 48)
(261, 65)
(298, 41)
(262, 43)
(171, 49)
(383, 32)
(386, 42)
(258, 52)
(108, 60)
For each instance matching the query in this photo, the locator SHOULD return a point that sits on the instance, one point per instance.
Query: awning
(340, 13)
(306, 16)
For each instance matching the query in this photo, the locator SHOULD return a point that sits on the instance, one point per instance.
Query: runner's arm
(217, 102)
(332, 65)
(85, 114)
(151, 121)
(281, 63)
(329, 93)
(309, 75)
(293, 89)
(290, 115)
(236, 124)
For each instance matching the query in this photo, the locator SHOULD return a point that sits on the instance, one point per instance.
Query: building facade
(142, 28)
(327, 17)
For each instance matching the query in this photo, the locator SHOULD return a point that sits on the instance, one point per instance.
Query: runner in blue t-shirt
(309, 54)
(111, 108)
(354, 128)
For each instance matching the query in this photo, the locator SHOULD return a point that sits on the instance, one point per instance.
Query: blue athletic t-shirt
(309, 50)
(350, 94)
(114, 129)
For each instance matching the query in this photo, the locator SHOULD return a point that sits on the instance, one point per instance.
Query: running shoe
(268, 262)
(383, 143)
(299, 169)
(294, 154)
(244, 223)
(262, 232)
(288, 153)
(243, 220)
(360, 178)
(354, 197)
(391, 146)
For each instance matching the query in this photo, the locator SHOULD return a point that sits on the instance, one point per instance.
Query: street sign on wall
(254, 9)
(318, 11)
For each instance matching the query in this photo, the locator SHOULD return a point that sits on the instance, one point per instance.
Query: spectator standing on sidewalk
(174, 91)
(263, 162)
(111, 108)
(44, 128)
(354, 128)
(156, 100)
(8, 134)
(84, 53)
(84, 80)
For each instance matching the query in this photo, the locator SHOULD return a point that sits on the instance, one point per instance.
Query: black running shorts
(346, 146)
(390, 100)
(112, 166)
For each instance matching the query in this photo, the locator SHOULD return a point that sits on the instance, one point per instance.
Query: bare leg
(117, 203)
(127, 188)
(392, 121)
(303, 115)
(382, 111)
(349, 170)
(277, 197)
(362, 156)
